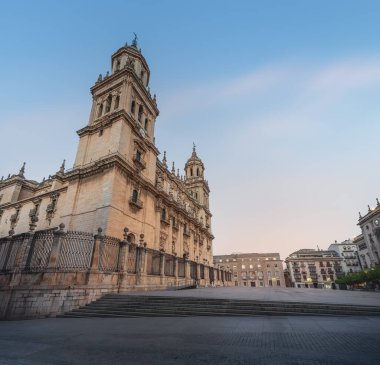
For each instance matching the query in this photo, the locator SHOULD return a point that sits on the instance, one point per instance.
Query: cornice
(127, 71)
(114, 117)
(370, 215)
(27, 200)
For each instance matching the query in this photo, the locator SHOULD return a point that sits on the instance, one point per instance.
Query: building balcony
(175, 226)
(137, 159)
(136, 203)
(165, 221)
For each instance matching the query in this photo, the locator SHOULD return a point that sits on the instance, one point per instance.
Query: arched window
(108, 103)
(135, 195)
(118, 65)
(141, 109)
(163, 214)
(100, 110)
(197, 171)
(133, 107)
(146, 124)
(117, 101)
(191, 172)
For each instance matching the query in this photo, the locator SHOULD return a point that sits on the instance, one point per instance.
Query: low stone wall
(46, 273)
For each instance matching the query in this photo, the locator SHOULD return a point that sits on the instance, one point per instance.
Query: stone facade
(314, 268)
(117, 180)
(370, 226)
(348, 251)
(253, 269)
(119, 220)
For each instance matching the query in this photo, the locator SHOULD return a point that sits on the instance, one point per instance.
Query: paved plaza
(191, 340)
(202, 340)
(278, 295)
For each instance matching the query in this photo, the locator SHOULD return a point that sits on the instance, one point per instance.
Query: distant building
(314, 269)
(288, 280)
(253, 269)
(370, 226)
(363, 254)
(348, 251)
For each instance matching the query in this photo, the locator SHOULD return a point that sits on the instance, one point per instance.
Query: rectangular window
(261, 283)
(243, 267)
(269, 275)
(270, 282)
(278, 283)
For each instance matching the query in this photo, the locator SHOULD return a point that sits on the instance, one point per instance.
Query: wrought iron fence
(181, 268)
(193, 270)
(153, 262)
(211, 274)
(4, 248)
(40, 249)
(132, 259)
(109, 254)
(202, 271)
(76, 251)
(169, 265)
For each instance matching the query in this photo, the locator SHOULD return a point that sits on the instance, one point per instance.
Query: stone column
(176, 268)
(56, 248)
(123, 255)
(198, 273)
(187, 268)
(162, 267)
(206, 275)
(141, 260)
(28, 250)
(95, 259)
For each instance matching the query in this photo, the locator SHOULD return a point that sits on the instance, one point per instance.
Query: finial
(9, 175)
(164, 162)
(100, 78)
(173, 168)
(360, 216)
(125, 233)
(62, 168)
(194, 154)
(369, 208)
(134, 42)
(377, 201)
(2, 178)
(108, 74)
(22, 170)
(178, 173)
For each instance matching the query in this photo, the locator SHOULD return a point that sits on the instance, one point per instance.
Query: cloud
(218, 92)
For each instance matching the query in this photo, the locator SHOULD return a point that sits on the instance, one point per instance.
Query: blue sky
(281, 98)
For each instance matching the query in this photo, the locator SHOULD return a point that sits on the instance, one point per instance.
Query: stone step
(236, 303)
(178, 309)
(130, 307)
(174, 301)
(154, 306)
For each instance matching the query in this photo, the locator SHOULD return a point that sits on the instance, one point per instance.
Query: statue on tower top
(134, 42)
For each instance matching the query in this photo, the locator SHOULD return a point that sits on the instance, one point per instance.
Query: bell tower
(123, 114)
(194, 179)
(115, 166)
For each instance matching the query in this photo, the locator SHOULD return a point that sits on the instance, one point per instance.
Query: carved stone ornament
(163, 238)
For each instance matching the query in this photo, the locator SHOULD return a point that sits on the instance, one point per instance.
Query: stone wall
(50, 272)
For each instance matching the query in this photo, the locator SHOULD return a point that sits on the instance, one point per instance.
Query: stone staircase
(123, 305)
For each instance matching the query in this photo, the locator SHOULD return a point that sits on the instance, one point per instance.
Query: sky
(280, 97)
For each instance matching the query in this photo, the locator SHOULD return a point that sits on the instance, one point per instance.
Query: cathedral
(117, 180)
